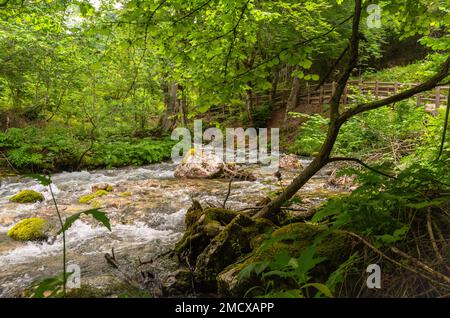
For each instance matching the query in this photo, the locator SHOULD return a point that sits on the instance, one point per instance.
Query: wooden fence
(314, 97)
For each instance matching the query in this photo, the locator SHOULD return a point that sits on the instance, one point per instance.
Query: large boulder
(208, 165)
(27, 196)
(234, 241)
(196, 165)
(215, 238)
(201, 227)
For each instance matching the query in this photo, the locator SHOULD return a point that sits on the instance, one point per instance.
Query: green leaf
(321, 288)
(96, 214)
(44, 180)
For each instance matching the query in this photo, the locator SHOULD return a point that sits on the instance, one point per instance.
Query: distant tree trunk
(293, 97)
(273, 92)
(168, 119)
(249, 102)
(182, 107)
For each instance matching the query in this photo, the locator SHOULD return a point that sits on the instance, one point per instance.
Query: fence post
(395, 87)
(376, 89)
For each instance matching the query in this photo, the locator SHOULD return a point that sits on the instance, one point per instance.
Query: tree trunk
(249, 103)
(273, 93)
(182, 107)
(168, 119)
(293, 97)
(318, 163)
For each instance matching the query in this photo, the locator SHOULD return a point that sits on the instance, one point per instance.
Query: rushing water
(144, 224)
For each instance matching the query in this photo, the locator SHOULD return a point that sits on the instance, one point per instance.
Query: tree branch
(192, 12)
(429, 84)
(335, 159)
(333, 67)
(244, 8)
(275, 56)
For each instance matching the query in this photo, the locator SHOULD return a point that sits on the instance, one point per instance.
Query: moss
(109, 188)
(125, 194)
(301, 235)
(201, 227)
(28, 230)
(230, 244)
(298, 236)
(27, 196)
(88, 197)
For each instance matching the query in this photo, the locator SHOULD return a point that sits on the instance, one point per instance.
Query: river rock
(226, 247)
(27, 196)
(178, 283)
(199, 166)
(344, 182)
(208, 165)
(31, 229)
(101, 186)
(215, 238)
(290, 162)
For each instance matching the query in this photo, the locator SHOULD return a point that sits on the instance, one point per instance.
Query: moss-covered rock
(201, 227)
(230, 244)
(27, 196)
(29, 230)
(298, 236)
(102, 186)
(89, 197)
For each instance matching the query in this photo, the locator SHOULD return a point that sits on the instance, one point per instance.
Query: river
(147, 221)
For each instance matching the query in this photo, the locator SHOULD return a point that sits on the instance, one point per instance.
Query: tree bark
(293, 97)
(168, 119)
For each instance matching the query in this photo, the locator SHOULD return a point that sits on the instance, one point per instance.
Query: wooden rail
(315, 97)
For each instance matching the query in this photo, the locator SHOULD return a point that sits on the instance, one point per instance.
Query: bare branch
(228, 193)
(362, 164)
